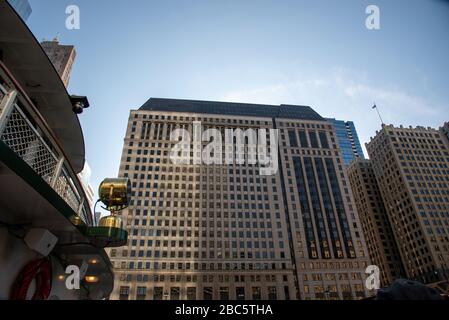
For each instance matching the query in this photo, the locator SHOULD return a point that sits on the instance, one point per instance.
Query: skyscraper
(225, 231)
(411, 167)
(62, 57)
(348, 140)
(378, 233)
(22, 7)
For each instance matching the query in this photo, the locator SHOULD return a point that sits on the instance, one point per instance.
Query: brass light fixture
(115, 194)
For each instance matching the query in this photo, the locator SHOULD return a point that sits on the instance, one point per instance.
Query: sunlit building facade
(62, 57)
(227, 232)
(411, 166)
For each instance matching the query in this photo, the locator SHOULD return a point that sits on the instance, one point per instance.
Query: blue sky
(315, 53)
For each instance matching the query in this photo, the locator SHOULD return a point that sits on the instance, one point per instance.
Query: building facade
(22, 7)
(227, 232)
(411, 166)
(348, 140)
(62, 57)
(379, 236)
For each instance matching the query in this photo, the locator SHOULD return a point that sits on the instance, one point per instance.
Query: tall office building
(62, 57)
(379, 236)
(411, 166)
(22, 7)
(224, 231)
(348, 140)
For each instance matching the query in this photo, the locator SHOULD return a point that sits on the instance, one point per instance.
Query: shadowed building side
(378, 233)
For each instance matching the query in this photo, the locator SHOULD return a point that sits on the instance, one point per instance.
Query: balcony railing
(24, 131)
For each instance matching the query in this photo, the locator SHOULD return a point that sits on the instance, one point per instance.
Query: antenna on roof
(377, 109)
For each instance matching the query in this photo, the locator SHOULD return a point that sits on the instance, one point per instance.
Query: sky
(316, 53)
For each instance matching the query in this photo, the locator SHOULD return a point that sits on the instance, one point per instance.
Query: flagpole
(380, 117)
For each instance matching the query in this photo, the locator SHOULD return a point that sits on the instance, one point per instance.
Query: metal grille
(26, 141)
(64, 188)
(71, 197)
(23, 139)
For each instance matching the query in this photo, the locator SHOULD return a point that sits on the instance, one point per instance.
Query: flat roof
(233, 108)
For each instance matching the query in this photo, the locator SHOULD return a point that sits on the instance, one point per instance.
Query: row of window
(157, 265)
(174, 293)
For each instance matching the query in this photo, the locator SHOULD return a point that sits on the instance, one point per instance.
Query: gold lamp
(115, 194)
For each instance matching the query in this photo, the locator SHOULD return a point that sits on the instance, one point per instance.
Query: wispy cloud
(348, 95)
(393, 100)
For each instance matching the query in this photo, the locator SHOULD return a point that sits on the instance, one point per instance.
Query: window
(174, 293)
(323, 140)
(224, 293)
(286, 293)
(207, 293)
(141, 293)
(303, 139)
(272, 293)
(124, 293)
(292, 138)
(240, 293)
(157, 293)
(313, 139)
(191, 293)
(256, 293)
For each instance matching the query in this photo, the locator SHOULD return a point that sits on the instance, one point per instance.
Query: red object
(40, 270)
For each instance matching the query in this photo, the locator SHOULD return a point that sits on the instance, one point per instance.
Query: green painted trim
(23, 170)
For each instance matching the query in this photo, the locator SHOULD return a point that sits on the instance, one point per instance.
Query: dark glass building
(348, 140)
(22, 7)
